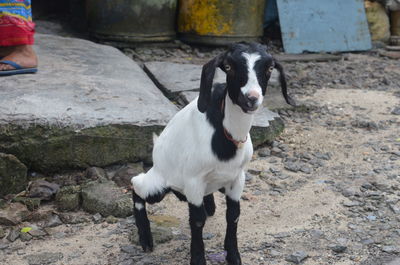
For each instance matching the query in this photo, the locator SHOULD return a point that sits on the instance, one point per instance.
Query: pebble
(297, 257)
(265, 152)
(13, 235)
(25, 237)
(396, 111)
(208, 236)
(3, 246)
(44, 258)
(53, 221)
(338, 248)
(97, 218)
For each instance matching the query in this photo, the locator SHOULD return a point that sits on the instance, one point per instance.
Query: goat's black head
(248, 68)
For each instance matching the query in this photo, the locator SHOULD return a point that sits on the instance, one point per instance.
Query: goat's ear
(282, 80)
(207, 77)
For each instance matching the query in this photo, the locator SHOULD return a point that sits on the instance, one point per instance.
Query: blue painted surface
(270, 13)
(323, 25)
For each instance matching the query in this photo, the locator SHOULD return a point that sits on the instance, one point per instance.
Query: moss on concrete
(13, 175)
(51, 148)
(261, 135)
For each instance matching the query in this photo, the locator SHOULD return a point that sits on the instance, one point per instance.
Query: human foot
(23, 55)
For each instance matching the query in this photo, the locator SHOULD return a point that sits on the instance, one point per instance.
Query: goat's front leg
(197, 219)
(233, 193)
(232, 219)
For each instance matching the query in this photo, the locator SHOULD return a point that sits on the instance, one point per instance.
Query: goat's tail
(155, 137)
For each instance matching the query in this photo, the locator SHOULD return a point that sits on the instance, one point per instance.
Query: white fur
(252, 84)
(183, 157)
(184, 161)
(139, 205)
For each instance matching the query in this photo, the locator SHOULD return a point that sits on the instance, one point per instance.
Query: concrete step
(88, 105)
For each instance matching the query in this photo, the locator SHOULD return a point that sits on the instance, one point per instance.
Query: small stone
(390, 249)
(68, 198)
(275, 151)
(13, 214)
(130, 249)
(44, 258)
(3, 246)
(2, 232)
(13, 235)
(248, 176)
(97, 218)
(297, 257)
(37, 233)
(264, 152)
(305, 169)
(25, 236)
(396, 111)
(124, 175)
(107, 245)
(208, 236)
(31, 203)
(42, 189)
(111, 219)
(351, 203)
(53, 221)
(338, 248)
(95, 173)
(73, 218)
(294, 167)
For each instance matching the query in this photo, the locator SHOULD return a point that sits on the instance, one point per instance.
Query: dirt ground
(328, 189)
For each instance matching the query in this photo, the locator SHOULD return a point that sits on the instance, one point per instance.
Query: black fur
(197, 219)
(221, 146)
(232, 215)
(179, 195)
(209, 204)
(142, 224)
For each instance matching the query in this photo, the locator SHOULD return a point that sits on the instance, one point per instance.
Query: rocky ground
(327, 191)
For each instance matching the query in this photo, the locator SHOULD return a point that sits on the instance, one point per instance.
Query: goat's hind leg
(146, 188)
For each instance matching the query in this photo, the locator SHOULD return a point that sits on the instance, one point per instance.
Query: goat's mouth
(246, 105)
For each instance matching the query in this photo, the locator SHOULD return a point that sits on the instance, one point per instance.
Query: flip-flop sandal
(18, 69)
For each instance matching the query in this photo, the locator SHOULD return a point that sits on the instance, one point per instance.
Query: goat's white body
(184, 160)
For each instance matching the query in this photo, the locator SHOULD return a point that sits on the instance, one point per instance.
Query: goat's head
(248, 68)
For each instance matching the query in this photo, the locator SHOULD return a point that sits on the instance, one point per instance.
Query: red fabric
(16, 31)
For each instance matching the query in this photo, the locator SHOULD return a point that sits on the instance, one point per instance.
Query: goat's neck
(236, 122)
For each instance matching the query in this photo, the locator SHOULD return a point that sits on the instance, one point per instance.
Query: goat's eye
(227, 67)
(270, 69)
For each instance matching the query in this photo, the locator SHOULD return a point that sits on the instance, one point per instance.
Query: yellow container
(220, 22)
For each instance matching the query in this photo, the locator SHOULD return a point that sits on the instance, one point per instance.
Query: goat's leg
(197, 219)
(149, 187)
(209, 204)
(232, 219)
(233, 193)
(142, 223)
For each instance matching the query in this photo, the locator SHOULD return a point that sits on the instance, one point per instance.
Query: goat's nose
(251, 101)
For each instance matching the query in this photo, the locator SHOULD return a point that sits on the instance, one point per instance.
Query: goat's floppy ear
(207, 77)
(282, 80)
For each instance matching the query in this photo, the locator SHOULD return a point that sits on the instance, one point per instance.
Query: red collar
(238, 144)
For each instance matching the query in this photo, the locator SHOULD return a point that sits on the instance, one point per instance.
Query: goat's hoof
(199, 260)
(234, 259)
(147, 244)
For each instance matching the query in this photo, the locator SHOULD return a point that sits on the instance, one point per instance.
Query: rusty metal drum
(220, 22)
(132, 20)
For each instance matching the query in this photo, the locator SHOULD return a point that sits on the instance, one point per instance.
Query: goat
(206, 146)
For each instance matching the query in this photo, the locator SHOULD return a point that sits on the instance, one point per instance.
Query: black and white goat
(206, 146)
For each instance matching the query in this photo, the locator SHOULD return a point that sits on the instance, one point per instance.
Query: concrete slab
(183, 80)
(174, 78)
(82, 84)
(89, 104)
